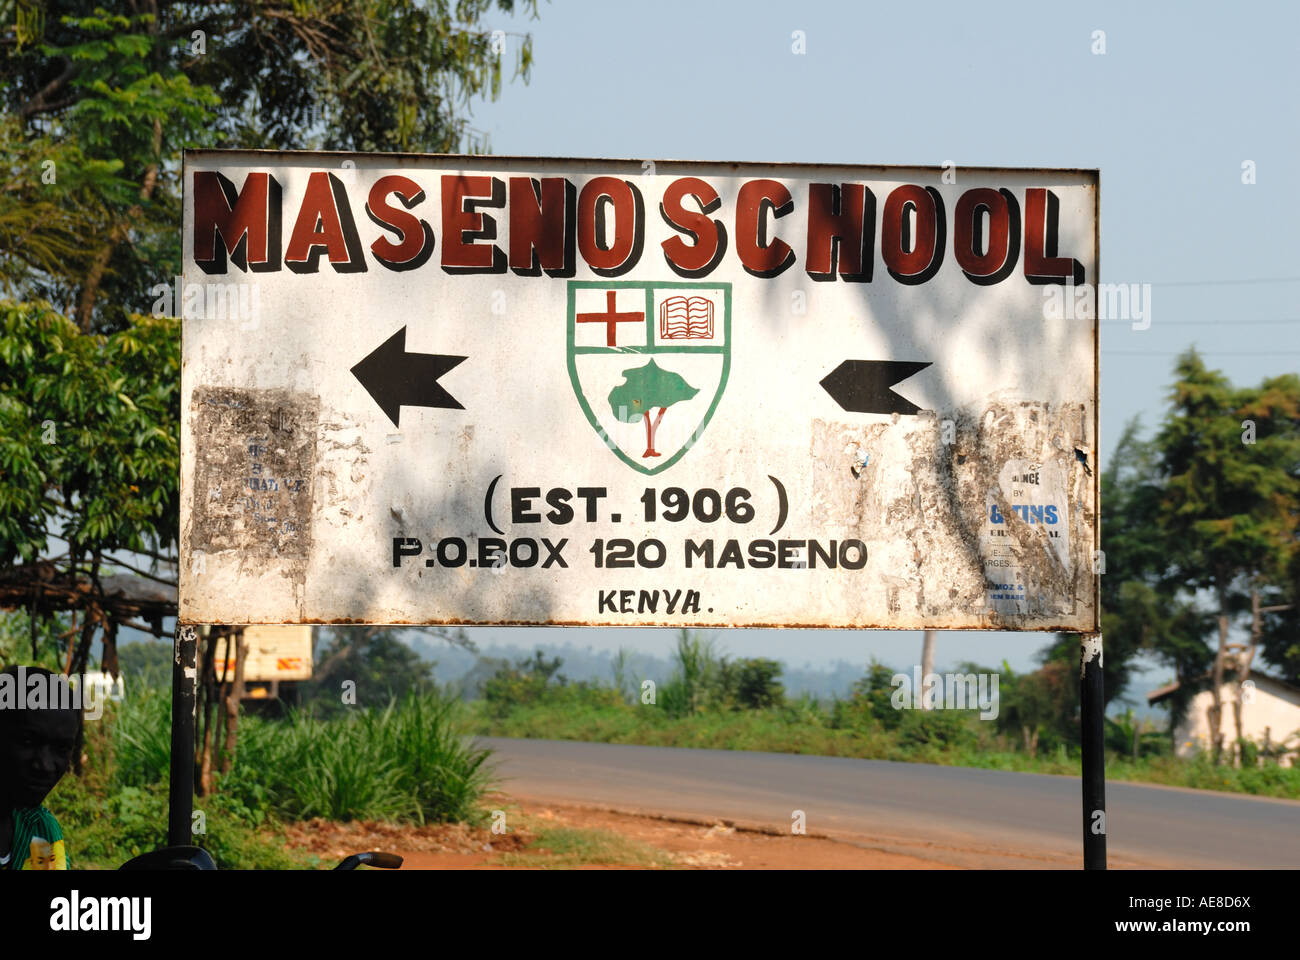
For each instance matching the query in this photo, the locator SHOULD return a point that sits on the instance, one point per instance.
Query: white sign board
(444, 389)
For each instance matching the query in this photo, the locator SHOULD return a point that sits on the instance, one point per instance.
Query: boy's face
(35, 751)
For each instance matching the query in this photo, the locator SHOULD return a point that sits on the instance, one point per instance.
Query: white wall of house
(1272, 707)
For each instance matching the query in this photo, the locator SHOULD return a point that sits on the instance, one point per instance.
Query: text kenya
(551, 222)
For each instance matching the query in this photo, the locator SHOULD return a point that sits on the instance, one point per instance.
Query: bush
(443, 770)
(407, 762)
(527, 682)
(309, 767)
(704, 680)
(939, 729)
(104, 831)
(806, 709)
(757, 686)
(871, 702)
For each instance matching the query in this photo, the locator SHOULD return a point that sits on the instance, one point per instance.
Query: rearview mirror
(172, 858)
(389, 861)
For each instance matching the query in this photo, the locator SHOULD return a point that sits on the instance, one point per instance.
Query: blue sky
(1183, 95)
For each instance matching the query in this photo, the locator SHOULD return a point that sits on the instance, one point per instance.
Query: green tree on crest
(644, 388)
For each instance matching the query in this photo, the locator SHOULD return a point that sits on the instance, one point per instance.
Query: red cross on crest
(611, 318)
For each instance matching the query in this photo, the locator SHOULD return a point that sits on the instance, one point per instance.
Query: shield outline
(649, 286)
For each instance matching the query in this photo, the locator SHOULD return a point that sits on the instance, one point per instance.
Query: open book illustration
(686, 318)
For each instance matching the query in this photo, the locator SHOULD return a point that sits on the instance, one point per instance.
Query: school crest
(648, 362)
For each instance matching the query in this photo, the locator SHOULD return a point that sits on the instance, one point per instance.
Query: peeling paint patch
(978, 518)
(1092, 649)
(255, 459)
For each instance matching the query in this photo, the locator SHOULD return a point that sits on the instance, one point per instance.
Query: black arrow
(395, 378)
(862, 386)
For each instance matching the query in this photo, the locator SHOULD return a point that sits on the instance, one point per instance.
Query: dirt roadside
(545, 834)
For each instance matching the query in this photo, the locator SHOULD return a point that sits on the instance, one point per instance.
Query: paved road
(949, 814)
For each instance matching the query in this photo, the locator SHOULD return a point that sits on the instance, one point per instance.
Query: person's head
(38, 731)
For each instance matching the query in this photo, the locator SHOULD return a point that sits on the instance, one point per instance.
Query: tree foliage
(757, 684)
(1195, 520)
(1228, 510)
(1136, 614)
(100, 101)
(379, 665)
(100, 106)
(527, 681)
(536, 680)
(1043, 701)
(89, 427)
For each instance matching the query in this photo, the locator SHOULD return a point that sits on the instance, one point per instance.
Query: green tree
(536, 680)
(89, 455)
(1137, 614)
(1045, 699)
(1207, 507)
(1228, 511)
(871, 698)
(758, 685)
(99, 105)
(1281, 628)
(89, 429)
(1273, 412)
(111, 99)
(643, 389)
(699, 678)
(485, 668)
(620, 663)
(34, 640)
(376, 661)
(147, 663)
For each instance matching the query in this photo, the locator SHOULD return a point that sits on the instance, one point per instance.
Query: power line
(1216, 353)
(1225, 283)
(1210, 323)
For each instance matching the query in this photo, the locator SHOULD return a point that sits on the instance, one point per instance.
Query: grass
(558, 847)
(408, 762)
(919, 738)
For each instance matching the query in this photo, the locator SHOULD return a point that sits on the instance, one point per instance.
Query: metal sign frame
(858, 427)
